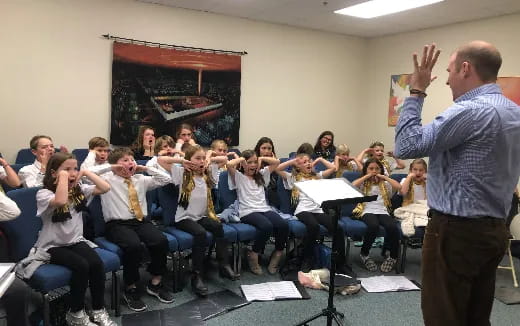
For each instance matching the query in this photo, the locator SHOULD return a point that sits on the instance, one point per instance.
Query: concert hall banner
(163, 87)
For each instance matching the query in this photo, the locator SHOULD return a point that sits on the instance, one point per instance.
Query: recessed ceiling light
(376, 8)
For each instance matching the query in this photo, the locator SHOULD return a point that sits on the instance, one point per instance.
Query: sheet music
(328, 189)
(387, 284)
(271, 291)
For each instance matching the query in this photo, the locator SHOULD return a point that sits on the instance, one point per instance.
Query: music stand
(331, 194)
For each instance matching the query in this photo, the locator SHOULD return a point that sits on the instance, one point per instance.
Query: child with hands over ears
(60, 204)
(344, 162)
(250, 175)
(376, 213)
(195, 212)
(413, 187)
(377, 150)
(309, 212)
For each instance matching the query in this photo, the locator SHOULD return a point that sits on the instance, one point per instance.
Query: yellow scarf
(367, 185)
(386, 164)
(344, 167)
(295, 193)
(188, 184)
(409, 197)
(75, 198)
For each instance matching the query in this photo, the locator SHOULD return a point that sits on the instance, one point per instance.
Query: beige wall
(56, 70)
(392, 55)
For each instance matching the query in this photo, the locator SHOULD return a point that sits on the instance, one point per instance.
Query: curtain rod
(173, 46)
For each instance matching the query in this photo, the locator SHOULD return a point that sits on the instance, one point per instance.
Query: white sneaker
(101, 318)
(78, 319)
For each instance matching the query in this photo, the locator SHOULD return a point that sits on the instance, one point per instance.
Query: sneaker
(101, 318)
(78, 319)
(388, 264)
(160, 292)
(133, 300)
(368, 262)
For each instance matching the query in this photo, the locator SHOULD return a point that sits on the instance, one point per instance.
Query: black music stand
(333, 208)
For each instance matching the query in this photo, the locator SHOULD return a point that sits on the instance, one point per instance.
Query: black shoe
(198, 285)
(306, 265)
(160, 292)
(133, 300)
(227, 272)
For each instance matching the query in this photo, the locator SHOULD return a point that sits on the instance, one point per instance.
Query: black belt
(432, 213)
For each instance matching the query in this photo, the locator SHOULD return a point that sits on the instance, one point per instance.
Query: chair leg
(512, 263)
(46, 310)
(239, 257)
(347, 249)
(233, 257)
(113, 293)
(117, 293)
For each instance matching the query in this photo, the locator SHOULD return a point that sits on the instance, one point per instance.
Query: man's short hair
(34, 141)
(97, 142)
(485, 59)
(117, 153)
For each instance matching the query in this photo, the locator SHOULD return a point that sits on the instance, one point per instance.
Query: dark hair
(373, 160)
(97, 142)
(317, 147)
(56, 160)
(419, 161)
(247, 154)
(485, 59)
(305, 148)
(34, 141)
(117, 153)
(262, 141)
(138, 144)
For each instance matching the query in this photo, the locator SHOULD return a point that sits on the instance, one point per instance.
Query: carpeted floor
(401, 308)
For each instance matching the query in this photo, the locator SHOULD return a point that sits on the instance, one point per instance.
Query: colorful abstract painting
(399, 90)
(510, 88)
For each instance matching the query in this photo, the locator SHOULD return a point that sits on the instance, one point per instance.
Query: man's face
(455, 77)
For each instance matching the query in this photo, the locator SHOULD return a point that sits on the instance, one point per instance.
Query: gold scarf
(295, 193)
(409, 197)
(386, 164)
(343, 168)
(367, 185)
(188, 184)
(75, 198)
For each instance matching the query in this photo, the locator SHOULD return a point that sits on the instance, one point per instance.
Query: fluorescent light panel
(376, 8)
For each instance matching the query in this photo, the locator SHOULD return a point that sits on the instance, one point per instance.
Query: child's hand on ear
(140, 168)
(189, 165)
(61, 175)
(118, 169)
(3, 162)
(192, 142)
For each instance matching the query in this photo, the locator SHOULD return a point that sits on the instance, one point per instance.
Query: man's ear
(465, 67)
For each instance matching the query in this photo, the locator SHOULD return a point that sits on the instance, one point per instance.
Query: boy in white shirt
(32, 175)
(97, 157)
(125, 209)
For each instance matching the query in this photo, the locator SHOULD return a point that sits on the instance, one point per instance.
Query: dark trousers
(87, 270)
(128, 234)
(312, 222)
(268, 223)
(198, 230)
(460, 258)
(373, 221)
(16, 302)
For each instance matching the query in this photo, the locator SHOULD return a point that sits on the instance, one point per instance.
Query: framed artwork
(399, 90)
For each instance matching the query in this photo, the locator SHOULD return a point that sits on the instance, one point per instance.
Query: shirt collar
(481, 90)
(37, 164)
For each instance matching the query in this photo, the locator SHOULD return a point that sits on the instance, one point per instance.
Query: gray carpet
(402, 308)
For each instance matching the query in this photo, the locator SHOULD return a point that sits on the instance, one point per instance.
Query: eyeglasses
(327, 138)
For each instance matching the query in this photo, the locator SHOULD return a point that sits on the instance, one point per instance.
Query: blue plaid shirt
(474, 150)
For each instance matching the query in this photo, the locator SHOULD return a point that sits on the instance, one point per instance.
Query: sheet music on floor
(270, 291)
(328, 189)
(387, 284)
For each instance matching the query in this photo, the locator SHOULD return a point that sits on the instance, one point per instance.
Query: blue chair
(351, 175)
(80, 154)
(235, 150)
(22, 233)
(25, 156)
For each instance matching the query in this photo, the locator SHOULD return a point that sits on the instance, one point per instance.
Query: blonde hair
(342, 149)
(218, 142)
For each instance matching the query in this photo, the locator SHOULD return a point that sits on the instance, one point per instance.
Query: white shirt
(57, 234)
(90, 164)
(30, 175)
(305, 204)
(8, 208)
(115, 203)
(251, 197)
(154, 164)
(198, 203)
(419, 192)
(377, 206)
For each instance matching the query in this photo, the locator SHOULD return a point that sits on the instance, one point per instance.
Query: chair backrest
(80, 154)
(320, 167)
(236, 150)
(141, 162)
(96, 214)
(226, 197)
(398, 176)
(25, 156)
(351, 175)
(22, 232)
(168, 198)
